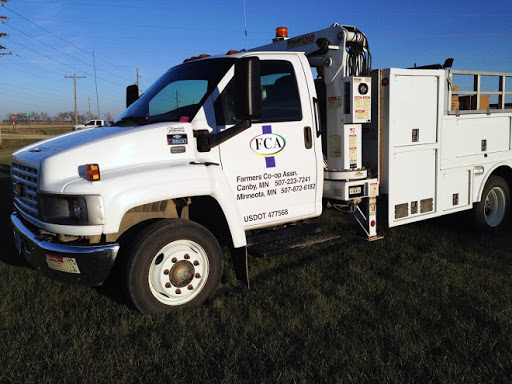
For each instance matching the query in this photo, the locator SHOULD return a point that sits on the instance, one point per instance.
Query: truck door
(272, 166)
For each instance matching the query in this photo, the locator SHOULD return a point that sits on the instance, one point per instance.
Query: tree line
(43, 117)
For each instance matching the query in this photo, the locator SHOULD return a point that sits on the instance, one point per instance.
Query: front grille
(25, 183)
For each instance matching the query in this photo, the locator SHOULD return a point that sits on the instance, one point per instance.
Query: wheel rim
(495, 207)
(178, 272)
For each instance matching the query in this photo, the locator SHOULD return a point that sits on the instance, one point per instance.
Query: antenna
(245, 25)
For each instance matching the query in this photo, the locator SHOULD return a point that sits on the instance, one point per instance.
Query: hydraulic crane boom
(341, 50)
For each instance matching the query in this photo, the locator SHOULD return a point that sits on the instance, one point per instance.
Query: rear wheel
(492, 210)
(173, 264)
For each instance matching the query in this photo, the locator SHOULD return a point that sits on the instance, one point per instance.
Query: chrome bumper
(88, 265)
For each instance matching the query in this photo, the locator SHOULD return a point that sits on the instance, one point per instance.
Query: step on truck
(222, 147)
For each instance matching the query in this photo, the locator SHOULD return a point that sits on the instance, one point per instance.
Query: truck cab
(187, 165)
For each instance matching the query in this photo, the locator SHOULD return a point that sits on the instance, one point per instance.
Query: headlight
(71, 210)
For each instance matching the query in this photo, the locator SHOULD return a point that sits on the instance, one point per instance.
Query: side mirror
(247, 89)
(132, 94)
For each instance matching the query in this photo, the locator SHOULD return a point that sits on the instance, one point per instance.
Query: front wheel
(173, 264)
(492, 210)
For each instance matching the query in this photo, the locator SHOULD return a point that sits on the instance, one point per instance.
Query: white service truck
(220, 148)
(90, 124)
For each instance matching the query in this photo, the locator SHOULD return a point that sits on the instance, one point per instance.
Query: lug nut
(198, 276)
(174, 260)
(187, 256)
(178, 291)
(167, 285)
(196, 263)
(166, 272)
(190, 287)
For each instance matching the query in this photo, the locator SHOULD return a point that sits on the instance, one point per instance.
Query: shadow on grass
(461, 227)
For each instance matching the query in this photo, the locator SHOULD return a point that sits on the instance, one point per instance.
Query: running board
(274, 243)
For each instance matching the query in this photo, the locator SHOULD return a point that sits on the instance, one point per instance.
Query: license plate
(355, 191)
(62, 264)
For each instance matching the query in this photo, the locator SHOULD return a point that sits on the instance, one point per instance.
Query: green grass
(8, 147)
(431, 302)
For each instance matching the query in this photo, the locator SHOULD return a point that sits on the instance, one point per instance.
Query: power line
(48, 45)
(59, 50)
(42, 54)
(154, 26)
(47, 31)
(290, 10)
(60, 62)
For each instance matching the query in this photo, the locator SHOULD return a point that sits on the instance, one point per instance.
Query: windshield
(178, 94)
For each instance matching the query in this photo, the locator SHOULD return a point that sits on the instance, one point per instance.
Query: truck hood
(61, 159)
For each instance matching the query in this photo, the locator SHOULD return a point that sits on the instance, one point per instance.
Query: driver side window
(279, 94)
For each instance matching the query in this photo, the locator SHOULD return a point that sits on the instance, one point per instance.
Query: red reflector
(385, 81)
(372, 223)
(281, 32)
(92, 171)
(56, 259)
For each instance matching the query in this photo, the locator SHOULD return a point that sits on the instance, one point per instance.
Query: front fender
(125, 189)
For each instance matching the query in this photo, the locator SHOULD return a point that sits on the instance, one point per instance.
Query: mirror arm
(207, 141)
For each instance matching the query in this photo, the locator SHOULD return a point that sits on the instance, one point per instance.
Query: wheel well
(504, 172)
(206, 211)
(165, 209)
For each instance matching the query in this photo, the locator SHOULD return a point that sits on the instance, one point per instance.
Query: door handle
(308, 139)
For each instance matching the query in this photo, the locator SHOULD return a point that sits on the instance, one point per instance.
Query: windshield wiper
(129, 120)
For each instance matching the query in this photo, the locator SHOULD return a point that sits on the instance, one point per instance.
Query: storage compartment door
(412, 186)
(454, 190)
(413, 110)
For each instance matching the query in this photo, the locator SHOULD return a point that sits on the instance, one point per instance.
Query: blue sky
(51, 39)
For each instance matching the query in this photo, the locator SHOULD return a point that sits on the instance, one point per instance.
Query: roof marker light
(92, 172)
(281, 32)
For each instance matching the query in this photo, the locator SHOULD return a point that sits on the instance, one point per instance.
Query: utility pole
(89, 107)
(96, 82)
(74, 77)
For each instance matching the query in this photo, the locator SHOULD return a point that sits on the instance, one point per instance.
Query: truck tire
(492, 210)
(173, 264)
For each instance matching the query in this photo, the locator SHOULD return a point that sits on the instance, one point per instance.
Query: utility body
(221, 148)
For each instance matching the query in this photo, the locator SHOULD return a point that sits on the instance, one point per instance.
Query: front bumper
(88, 265)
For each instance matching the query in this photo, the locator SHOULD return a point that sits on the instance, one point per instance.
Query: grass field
(430, 303)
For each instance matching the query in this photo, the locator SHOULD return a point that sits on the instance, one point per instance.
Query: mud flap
(241, 265)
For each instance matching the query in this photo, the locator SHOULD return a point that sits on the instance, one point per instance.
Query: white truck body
(432, 158)
(345, 137)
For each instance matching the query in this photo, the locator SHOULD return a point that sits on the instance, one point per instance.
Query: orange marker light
(281, 32)
(93, 172)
